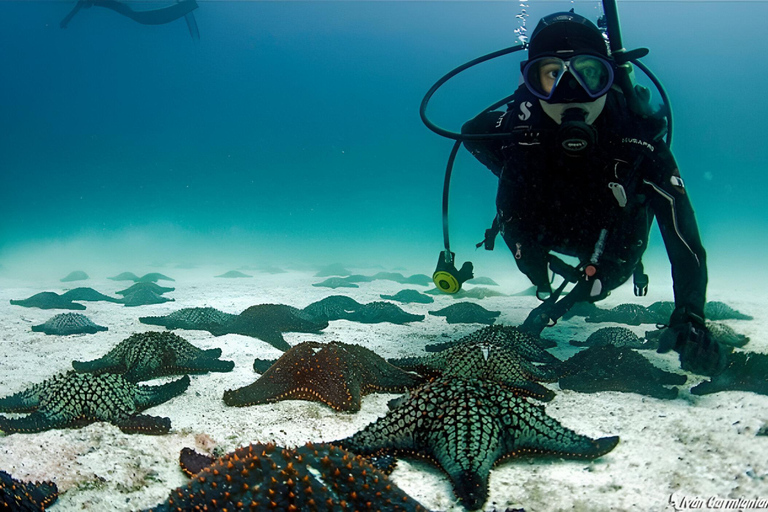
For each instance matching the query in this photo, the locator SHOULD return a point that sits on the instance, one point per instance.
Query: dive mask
(543, 75)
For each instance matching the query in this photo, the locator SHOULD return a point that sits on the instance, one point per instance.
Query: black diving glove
(699, 351)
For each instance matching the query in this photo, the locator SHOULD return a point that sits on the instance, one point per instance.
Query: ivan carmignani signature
(717, 503)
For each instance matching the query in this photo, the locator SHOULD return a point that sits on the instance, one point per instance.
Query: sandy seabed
(688, 447)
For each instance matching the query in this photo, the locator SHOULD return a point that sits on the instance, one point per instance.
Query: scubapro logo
(525, 109)
(574, 144)
(628, 140)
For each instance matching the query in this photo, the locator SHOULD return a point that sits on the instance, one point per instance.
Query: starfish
(722, 333)
(609, 368)
(144, 297)
(77, 275)
(47, 300)
(153, 277)
(74, 399)
(530, 346)
(716, 310)
(420, 279)
(466, 426)
(483, 280)
(26, 496)
(333, 307)
(145, 286)
(146, 355)
(467, 313)
(87, 294)
(409, 296)
(233, 274)
(197, 319)
(378, 312)
(745, 371)
(268, 477)
(336, 374)
(65, 324)
(268, 321)
(631, 314)
(616, 336)
(579, 309)
(495, 353)
(336, 282)
(125, 276)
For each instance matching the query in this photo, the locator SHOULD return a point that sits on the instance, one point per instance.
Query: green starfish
(72, 399)
(466, 426)
(499, 353)
(146, 355)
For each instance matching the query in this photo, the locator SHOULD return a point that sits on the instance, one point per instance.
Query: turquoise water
(290, 131)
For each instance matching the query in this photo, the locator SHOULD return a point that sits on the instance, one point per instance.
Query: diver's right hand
(699, 351)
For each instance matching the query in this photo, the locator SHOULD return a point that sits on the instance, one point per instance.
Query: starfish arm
(202, 365)
(97, 366)
(35, 422)
(150, 396)
(23, 401)
(530, 430)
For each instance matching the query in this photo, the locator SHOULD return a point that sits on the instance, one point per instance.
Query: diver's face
(548, 72)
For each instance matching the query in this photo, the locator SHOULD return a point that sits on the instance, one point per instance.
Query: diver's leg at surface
(79, 5)
(150, 17)
(192, 26)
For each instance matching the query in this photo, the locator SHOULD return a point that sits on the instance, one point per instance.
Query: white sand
(692, 446)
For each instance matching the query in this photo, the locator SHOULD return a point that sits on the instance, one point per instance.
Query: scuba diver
(583, 174)
(159, 16)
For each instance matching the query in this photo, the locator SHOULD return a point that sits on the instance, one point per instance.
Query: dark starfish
(336, 374)
(144, 297)
(125, 276)
(77, 275)
(75, 399)
(630, 314)
(268, 321)
(483, 280)
(745, 371)
(233, 274)
(409, 296)
(721, 332)
(493, 353)
(467, 313)
(616, 336)
(334, 307)
(146, 286)
(153, 277)
(716, 310)
(65, 324)
(378, 312)
(610, 368)
(532, 348)
(579, 309)
(197, 319)
(47, 300)
(310, 478)
(87, 294)
(420, 279)
(146, 355)
(336, 282)
(466, 426)
(18, 496)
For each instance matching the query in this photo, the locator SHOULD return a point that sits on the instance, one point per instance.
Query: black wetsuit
(548, 201)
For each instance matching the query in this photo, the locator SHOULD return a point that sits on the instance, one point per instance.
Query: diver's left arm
(677, 222)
